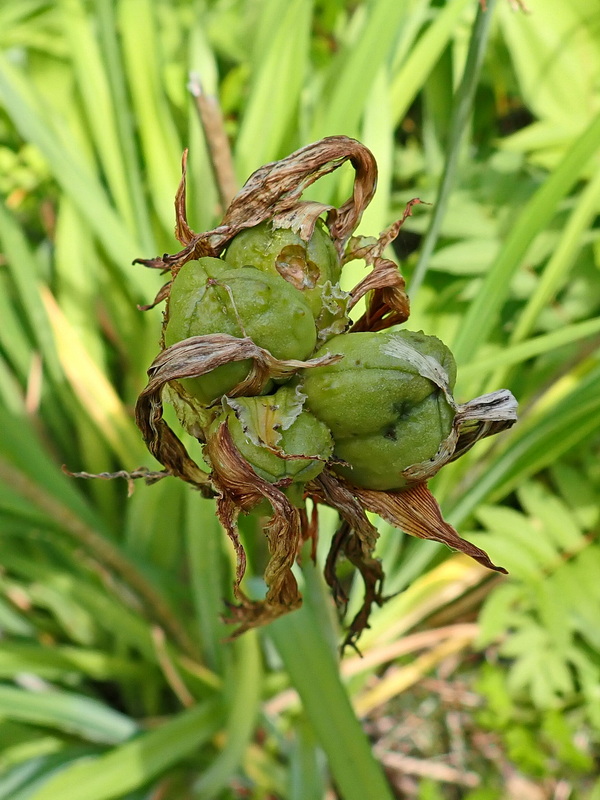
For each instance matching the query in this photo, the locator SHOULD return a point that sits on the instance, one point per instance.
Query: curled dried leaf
(302, 218)
(274, 191)
(240, 488)
(161, 295)
(413, 510)
(346, 543)
(388, 303)
(416, 511)
(333, 491)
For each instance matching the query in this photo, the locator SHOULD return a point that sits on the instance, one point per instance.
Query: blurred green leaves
(116, 671)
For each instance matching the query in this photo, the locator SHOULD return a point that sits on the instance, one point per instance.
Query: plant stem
(308, 658)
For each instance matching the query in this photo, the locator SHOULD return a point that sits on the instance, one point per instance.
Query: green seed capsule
(384, 414)
(308, 266)
(266, 429)
(208, 297)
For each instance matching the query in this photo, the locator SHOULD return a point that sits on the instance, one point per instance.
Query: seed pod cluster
(291, 398)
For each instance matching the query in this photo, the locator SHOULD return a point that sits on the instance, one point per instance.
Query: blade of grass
(22, 780)
(378, 136)
(135, 763)
(423, 56)
(277, 82)
(113, 64)
(67, 712)
(203, 197)
(483, 312)
(533, 447)
(12, 14)
(307, 780)
(13, 339)
(100, 545)
(73, 174)
(161, 145)
(461, 111)
(517, 353)
(353, 71)
(428, 593)
(92, 82)
(77, 294)
(21, 265)
(400, 680)
(50, 662)
(111, 615)
(563, 257)
(96, 395)
(204, 539)
(77, 289)
(315, 675)
(243, 705)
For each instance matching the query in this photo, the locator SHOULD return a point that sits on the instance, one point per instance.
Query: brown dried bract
(274, 191)
(388, 303)
(414, 510)
(241, 489)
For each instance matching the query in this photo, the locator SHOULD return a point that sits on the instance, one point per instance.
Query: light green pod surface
(308, 265)
(208, 297)
(384, 415)
(306, 436)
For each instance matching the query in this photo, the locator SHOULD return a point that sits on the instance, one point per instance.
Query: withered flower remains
(290, 398)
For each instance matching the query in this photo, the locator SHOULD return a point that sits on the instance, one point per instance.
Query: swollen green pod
(383, 410)
(208, 297)
(308, 266)
(269, 431)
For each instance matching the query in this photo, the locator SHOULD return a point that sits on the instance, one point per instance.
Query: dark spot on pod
(402, 409)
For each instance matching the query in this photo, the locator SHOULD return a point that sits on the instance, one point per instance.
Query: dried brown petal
(161, 295)
(240, 487)
(333, 491)
(274, 191)
(183, 233)
(417, 512)
(302, 218)
(413, 510)
(346, 543)
(388, 304)
(356, 539)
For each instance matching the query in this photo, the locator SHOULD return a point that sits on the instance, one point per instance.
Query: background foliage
(116, 681)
